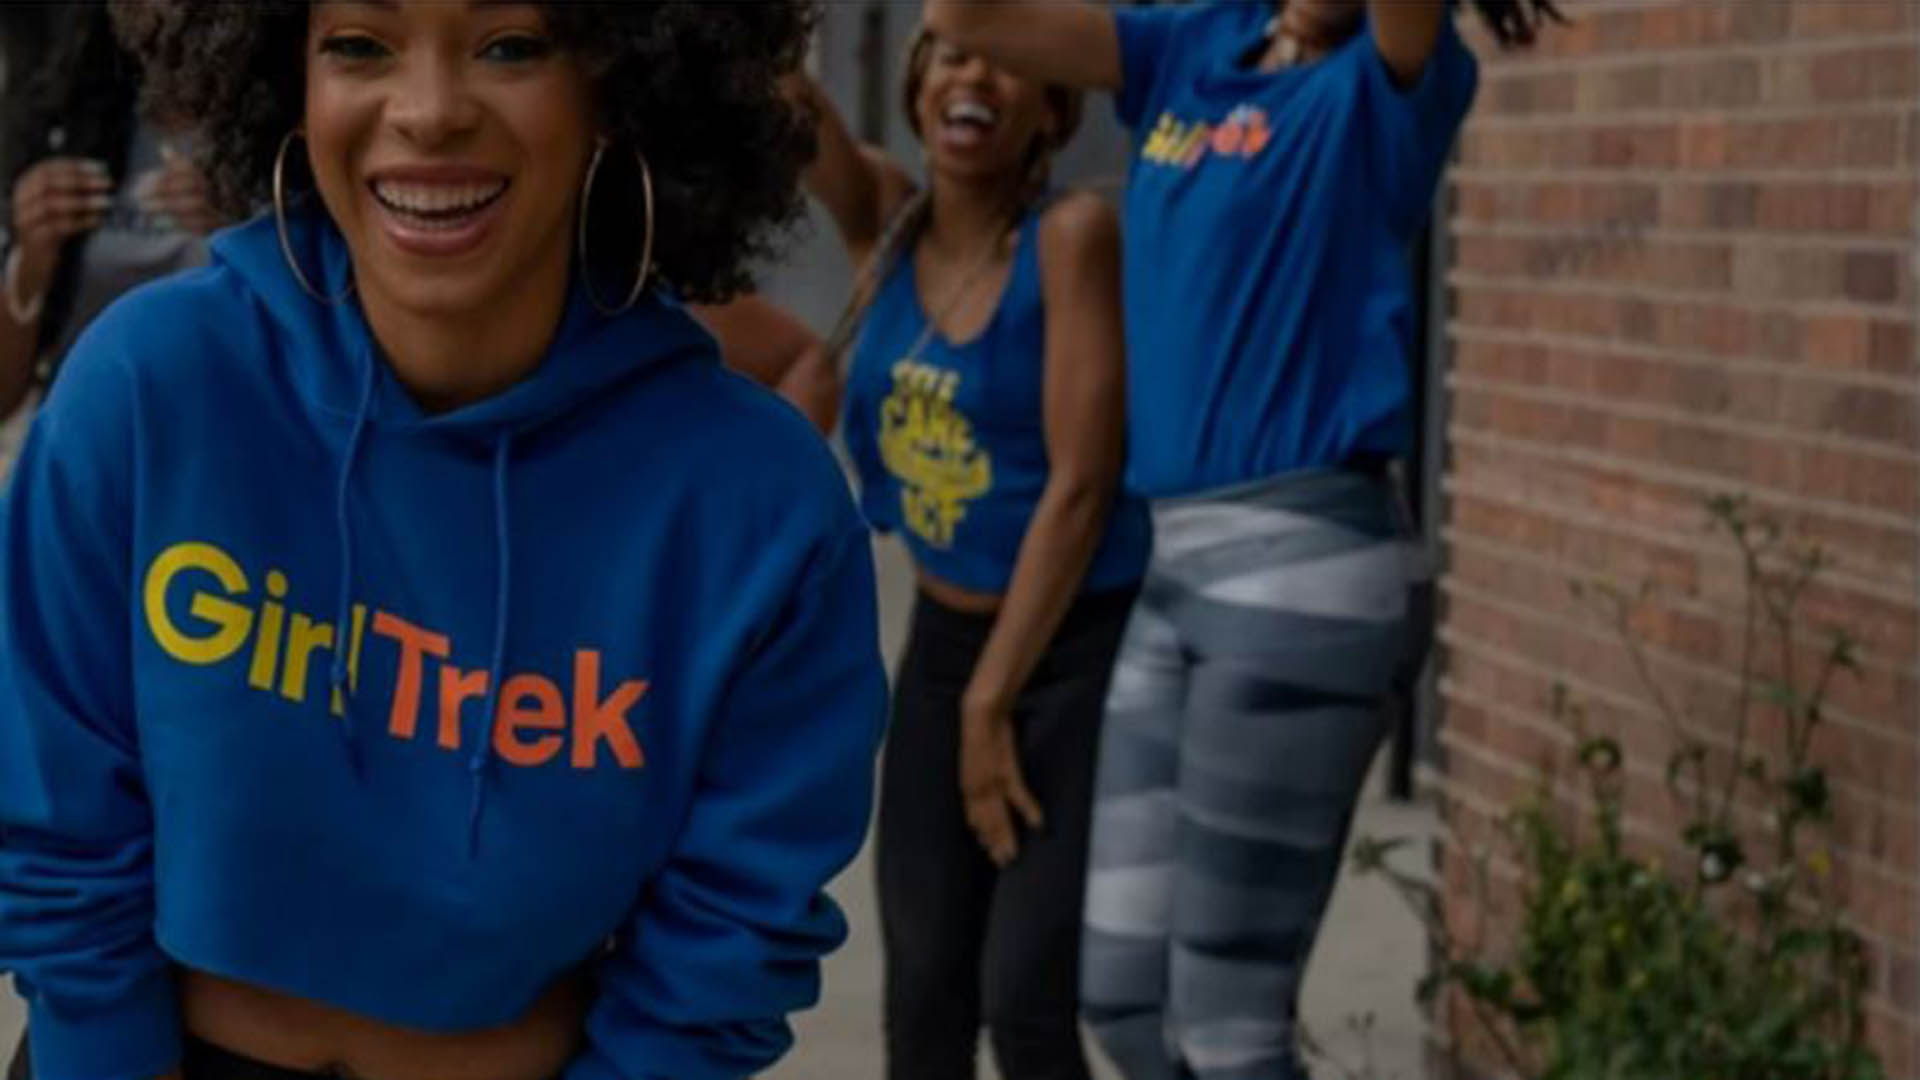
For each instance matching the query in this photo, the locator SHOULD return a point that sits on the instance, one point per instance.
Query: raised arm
(859, 185)
(1070, 42)
(764, 342)
(1405, 32)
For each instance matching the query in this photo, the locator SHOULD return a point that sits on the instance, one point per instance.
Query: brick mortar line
(1871, 870)
(1452, 790)
(1872, 663)
(1863, 380)
(1641, 172)
(1655, 654)
(1852, 513)
(1488, 118)
(1504, 869)
(1801, 438)
(1672, 297)
(1913, 217)
(1726, 680)
(1599, 233)
(1836, 576)
(1459, 174)
(1879, 660)
(1641, 410)
(1870, 798)
(1510, 65)
(1877, 876)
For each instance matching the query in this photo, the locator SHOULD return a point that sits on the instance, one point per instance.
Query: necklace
(959, 292)
(896, 242)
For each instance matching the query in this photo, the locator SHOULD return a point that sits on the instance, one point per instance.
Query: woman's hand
(178, 192)
(53, 201)
(991, 784)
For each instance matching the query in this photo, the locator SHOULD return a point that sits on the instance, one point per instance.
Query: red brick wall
(1683, 237)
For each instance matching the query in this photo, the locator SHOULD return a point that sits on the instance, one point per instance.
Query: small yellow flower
(1820, 863)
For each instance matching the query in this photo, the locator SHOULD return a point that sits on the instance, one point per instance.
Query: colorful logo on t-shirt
(1244, 134)
(927, 444)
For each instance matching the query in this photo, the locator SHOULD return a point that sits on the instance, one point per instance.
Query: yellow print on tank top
(927, 445)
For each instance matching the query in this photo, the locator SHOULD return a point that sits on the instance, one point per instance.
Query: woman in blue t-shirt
(1285, 159)
(984, 413)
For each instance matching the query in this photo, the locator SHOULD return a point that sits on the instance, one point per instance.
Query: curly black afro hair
(693, 85)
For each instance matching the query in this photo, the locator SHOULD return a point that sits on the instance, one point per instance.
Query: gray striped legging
(1243, 715)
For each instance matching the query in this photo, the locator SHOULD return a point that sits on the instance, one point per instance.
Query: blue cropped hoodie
(417, 714)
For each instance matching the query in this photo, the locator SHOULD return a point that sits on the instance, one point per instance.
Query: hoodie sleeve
(76, 831)
(727, 940)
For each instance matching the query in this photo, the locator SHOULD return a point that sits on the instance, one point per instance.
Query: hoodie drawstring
(343, 526)
(480, 763)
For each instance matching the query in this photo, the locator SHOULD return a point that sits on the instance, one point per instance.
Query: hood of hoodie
(333, 346)
(339, 371)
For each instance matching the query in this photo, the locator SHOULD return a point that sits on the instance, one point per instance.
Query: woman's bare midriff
(295, 1033)
(955, 598)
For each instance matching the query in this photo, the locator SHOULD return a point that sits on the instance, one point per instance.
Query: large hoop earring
(646, 247)
(280, 222)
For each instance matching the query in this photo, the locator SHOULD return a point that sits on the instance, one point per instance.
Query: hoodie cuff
(135, 1038)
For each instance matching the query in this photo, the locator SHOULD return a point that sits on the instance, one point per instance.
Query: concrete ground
(1369, 957)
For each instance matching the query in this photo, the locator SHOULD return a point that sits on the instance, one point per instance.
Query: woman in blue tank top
(984, 412)
(1285, 155)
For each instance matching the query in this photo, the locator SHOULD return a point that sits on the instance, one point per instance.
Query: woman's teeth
(971, 112)
(436, 200)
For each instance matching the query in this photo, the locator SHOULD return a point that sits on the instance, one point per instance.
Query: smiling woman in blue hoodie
(418, 656)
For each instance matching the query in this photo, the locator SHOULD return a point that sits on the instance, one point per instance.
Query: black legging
(967, 944)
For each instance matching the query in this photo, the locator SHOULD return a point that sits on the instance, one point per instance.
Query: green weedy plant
(1733, 963)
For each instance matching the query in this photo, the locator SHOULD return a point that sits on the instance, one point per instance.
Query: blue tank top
(950, 445)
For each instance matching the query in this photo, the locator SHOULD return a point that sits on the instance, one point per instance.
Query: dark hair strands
(1517, 22)
(693, 86)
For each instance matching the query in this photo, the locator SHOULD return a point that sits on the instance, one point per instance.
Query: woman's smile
(438, 211)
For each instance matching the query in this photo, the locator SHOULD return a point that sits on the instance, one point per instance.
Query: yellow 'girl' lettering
(232, 622)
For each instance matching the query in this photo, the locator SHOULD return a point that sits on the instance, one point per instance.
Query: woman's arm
(1405, 32)
(53, 201)
(1085, 417)
(726, 940)
(76, 825)
(770, 346)
(19, 344)
(859, 185)
(1073, 43)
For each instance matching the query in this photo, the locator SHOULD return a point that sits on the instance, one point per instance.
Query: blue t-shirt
(1269, 216)
(950, 443)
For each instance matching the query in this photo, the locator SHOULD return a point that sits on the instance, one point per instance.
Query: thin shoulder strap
(894, 240)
